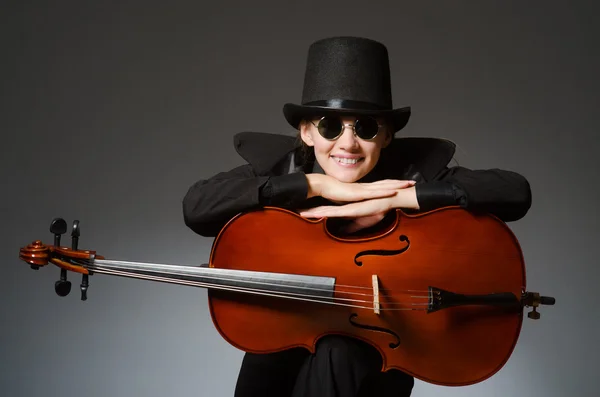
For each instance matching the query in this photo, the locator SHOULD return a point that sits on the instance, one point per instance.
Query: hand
(368, 208)
(334, 190)
(366, 213)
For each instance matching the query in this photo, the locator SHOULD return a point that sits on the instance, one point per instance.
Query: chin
(346, 179)
(347, 176)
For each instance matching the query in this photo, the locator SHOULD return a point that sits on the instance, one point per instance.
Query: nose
(348, 140)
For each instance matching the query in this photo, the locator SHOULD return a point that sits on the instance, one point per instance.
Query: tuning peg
(75, 235)
(58, 227)
(62, 287)
(84, 287)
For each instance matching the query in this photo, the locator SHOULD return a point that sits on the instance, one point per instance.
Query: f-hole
(402, 238)
(392, 345)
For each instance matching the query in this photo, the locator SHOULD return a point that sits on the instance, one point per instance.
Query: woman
(344, 164)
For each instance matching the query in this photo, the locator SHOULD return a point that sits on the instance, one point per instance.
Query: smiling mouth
(347, 161)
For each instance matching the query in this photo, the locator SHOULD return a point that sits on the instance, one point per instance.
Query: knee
(392, 382)
(341, 348)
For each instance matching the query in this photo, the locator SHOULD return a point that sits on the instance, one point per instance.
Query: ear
(306, 134)
(388, 138)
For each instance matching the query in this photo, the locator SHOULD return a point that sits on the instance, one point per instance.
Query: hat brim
(295, 113)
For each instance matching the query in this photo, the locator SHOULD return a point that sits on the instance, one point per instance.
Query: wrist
(406, 198)
(315, 184)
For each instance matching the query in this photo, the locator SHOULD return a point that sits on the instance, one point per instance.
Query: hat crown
(351, 69)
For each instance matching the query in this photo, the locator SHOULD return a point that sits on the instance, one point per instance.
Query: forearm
(502, 193)
(210, 203)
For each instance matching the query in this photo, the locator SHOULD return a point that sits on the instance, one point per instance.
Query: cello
(441, 295)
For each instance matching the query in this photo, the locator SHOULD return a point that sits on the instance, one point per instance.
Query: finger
(328, 212)
(363, 208)
(349, 210)
(393, 181)
(357, 195)
(316, 211)
(389, 184)
(385, 190)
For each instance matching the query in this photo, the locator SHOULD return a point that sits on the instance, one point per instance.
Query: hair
(306, 151)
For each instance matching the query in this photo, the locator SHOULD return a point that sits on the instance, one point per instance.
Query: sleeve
(210, 203)
(502, 193)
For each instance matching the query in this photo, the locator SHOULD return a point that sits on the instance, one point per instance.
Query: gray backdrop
(110, 110)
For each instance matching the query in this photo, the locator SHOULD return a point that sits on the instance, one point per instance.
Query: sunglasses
(331, 127)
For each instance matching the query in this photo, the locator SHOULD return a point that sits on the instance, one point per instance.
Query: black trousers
(340, 367)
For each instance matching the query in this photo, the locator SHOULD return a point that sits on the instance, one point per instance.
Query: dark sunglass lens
(330, 127)
(366, 127)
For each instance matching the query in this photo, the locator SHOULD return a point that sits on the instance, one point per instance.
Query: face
(347, 158)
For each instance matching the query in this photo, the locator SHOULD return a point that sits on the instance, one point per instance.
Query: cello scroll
(38, 254)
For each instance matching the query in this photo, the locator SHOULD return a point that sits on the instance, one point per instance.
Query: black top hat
(347, 75)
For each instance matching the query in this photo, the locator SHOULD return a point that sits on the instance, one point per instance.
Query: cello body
(391, 279)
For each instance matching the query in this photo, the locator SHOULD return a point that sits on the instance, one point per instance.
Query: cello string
(381, 289)
(330, 301)
(288, 294)
(225, 278)
(94, 265)
(101, 270)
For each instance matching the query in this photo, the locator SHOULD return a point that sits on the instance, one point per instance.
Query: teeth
(346, 161)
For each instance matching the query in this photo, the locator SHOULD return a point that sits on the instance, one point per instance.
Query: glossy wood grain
(449, 248)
